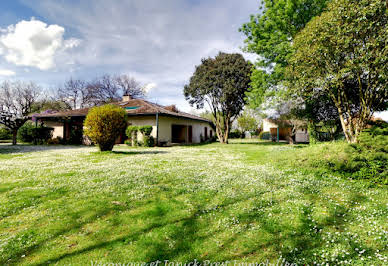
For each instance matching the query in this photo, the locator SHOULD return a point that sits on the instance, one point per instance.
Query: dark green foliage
(104, 125)
(37, 135)
(76, 134)
(236, 134)
(269, 35)
(367, 159)
(148, 141)
(342, 54)
(145, 130)
(5, 133)
(41, 135)
(25, 132)
(131, 132)
(220, 82)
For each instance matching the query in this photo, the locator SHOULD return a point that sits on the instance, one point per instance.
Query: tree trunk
(14, 137)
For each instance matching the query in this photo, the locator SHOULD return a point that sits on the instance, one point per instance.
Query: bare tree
(103, 89)
(16, 101)
(74, 92)
(130, 86)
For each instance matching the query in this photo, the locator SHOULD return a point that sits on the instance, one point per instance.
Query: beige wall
(165, 124)
(58, 128)
(143, 121)
(267, 125)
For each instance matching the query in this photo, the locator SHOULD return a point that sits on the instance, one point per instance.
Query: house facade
(169, 125)
(283, 128)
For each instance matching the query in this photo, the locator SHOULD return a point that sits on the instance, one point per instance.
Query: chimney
(126, 98)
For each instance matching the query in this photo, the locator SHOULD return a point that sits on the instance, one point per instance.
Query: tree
(343, 54)
(221, 82)
(101, 90)
(130, 86)
(104, 124)
(247, 122)
(16, 101)
(50, 104)
(270, 35)
(74, 93)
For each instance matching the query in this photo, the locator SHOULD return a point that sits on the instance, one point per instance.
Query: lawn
(246, 201)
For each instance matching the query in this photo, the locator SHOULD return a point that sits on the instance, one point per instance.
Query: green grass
(246, 201)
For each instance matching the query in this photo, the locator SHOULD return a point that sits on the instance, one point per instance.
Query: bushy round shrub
(104, 124)
(145, 130)
(25, 132)
(5, 133)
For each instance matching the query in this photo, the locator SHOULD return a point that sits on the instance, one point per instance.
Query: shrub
(131, 133)
(265, 135)
(37, 135)
(148, 141)
(235, 134)
(5, 134)
(104, 124)
(25, 132)
(145, 130)
(41, 135)
(367, 159)
(76, 135)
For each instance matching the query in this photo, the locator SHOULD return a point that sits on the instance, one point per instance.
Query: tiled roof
(132, 107)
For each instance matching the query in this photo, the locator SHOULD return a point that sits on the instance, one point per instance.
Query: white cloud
(148, 87)
(153, 41)
(33, 43)
(6, 72)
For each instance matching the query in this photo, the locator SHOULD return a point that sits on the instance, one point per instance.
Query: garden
(247, 201)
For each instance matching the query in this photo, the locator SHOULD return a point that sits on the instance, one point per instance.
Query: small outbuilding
(169, 125)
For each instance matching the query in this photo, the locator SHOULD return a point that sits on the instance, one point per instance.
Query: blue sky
(157, 42)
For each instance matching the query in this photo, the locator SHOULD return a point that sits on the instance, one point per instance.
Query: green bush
(145, 130)
(5, 134)
(148, 141)
(367, 159)
(265, 135)
(131, 132)
(25, 132)
(104, 125)
(236, 134)
(41, 135)
(37, 135)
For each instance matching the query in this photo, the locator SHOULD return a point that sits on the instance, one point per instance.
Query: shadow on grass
(135, 152)
(305, 238)
(25, 148)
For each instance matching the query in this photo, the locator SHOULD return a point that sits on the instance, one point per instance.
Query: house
(281, 129)
(169, 125)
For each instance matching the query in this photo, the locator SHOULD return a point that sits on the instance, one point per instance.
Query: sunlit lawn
(246, 201)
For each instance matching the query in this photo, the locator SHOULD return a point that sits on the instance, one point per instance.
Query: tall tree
(16, 102)
(247, 122)
(270, 35)
(221, 82)
(343, 53)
